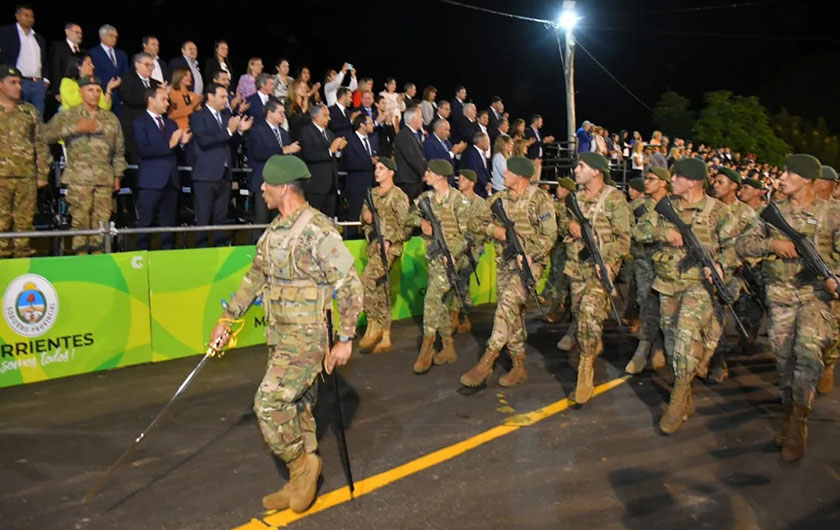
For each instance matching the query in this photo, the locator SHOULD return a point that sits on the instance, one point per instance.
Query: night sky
(785, 52)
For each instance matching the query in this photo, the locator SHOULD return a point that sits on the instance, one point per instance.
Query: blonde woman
(638, 158)
(502, 150)
(248, 81)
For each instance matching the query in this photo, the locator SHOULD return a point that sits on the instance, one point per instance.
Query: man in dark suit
(367, 107)
(474, 159)
(265, 139)
(408, 151)
(466, 127)
(458, 102)
(20, 46)
(319, 149)
(109, 63)
(134, 86)
(496, 113)
(535, 151)
(157, 138)
(61, 55)
(258, 100)
(341, 115)
(215, 133)
(189, 60)
(360, 156)
(437, 144)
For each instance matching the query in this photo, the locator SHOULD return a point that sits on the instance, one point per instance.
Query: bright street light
(568, 19)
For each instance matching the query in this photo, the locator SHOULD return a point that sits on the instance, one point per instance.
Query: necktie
(145, 82)
(327, 138)
(367, 147)
(419, 135)
(160, 124)
(277, 135)
(112, 56)
(219, 119)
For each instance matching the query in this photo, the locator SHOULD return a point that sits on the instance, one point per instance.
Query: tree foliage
(672, 114)
(806, 137)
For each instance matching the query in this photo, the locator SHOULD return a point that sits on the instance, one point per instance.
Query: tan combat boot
(793, 448)
(482, 370)
(640, 357)
(657, 357)
(427, 351)
(555, 314)
(677, 411)
(447, 354)
(384, 344)
(826, 382)
(586, 374)
(465, 326)
(786, 417)
(279, 500)
(569, 341)
(372, 335)
(304, 472)
(454, 321)
(517, 374)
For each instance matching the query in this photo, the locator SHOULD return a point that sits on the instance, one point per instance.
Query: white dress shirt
(196, 75)
(157, 71)
(263, 97)
(73, 47)
(110, 53)
(365, 143)
(331, 88)
(29, 58)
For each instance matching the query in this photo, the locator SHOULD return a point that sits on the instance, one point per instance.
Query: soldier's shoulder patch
(545, 217)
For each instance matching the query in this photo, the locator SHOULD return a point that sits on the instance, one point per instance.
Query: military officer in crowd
(301, 265)
(532, 212)
(95, 161)
(24, 163)
(689, 322)
(392, 205)
(556, 290)
(451, 209)
(607, 212)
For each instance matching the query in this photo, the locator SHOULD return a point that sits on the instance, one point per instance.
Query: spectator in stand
(657, 157)
(219, 62)
(520, 147)
(365, 85)
(20, 46)
(437, 144)
(637, 159)
(82, 66)
(367, 107)
(501, 130)
(236, 105)
(333, 81)
(598, 144)
(282, 80)
(483, 120)
(390, 126)
(656, 138)
(409, 95)
(182, 101)
(535, 150)
(466, 126)
(320, 149)
(247, 85)
(496, 113)
(188, 59)
(584, 137)
(216, 133)
(502, 150)
(442, 112)
(517, 131)
(393, 101)
(474, 158)
(360, 157)
(134, 87)
(458, 102)
(312, 90)
(151, 46)
(408, 150)
(675, 154)
(614, 148)
(257, 100)
(428, 106)
(341, 117)
(157, 138)
(62, 55)
(109, 63)
(298, 108)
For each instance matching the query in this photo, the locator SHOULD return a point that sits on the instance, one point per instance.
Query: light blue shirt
(497, 180)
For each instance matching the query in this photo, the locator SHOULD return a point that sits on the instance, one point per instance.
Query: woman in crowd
(394, 102)
(390, 127)
(219, 62)
(428, 106)
(247, 85)
(182, 102)
(675, 154)
(81, 66)
(502, 150)
(297, 108)
(638, 158)
(282, 80)
(305, 76)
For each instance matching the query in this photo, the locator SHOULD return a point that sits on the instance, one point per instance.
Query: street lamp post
(568, 19)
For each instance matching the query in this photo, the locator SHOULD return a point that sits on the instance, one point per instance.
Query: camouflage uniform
(24, 159)
(392, 208)
(643, 251)
(298, 275)
(93, 162)
(557, 286)
(832, 352)
(478, 215)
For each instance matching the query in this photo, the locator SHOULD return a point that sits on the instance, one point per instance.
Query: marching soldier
(832, 353)
(392, 205)
(532, 213)
(750, 193)
(452, 211)
(627, 272)
(606, 209)
(557, 286)
(689, 322)
(300, 265)
(95, 162)
(24, 162)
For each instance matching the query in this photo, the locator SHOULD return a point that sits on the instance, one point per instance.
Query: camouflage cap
(660, 172)
(88, 80)
(691, 168)
(806, 166)
(637, 184)
(387, 162)
(595, 161)
(520, 166)
(468, 174)
(567, 183)
(282, 169)
(441, 167)
(828, 173)
(731, 174)
(752, 183)
(9, 71)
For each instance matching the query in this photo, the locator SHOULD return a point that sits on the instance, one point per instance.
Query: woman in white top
(502, 150)
(638, 158)
(428, 106)
(394, 102)
(282, 81)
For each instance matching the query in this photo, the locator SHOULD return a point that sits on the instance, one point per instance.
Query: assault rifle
(754, 289)
(439, 248)
(514, 251)
(383, 255)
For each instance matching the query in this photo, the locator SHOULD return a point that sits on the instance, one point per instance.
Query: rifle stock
(514, 249)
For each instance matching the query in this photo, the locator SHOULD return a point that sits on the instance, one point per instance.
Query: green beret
(282, 169)
(387, 162)
(691, 168)
(828, 173)
(637, 184)
(441, 167)
(753, 183)
(567, 183)
(660, 172)
(806, 166)
(731, 174)
(521, 166)
(9, 71)
(88, 80)
(595, 161)
(468, 174)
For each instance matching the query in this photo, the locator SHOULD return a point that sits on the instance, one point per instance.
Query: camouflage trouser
(648, 300)
(590, 307)
(90, 206)
(750, 313)
(435, 307)
(832, 352)
(801, 327)
(17, 207)
(377, 307)
(557, 286)
(465, 270)
(287, 394)
(691, 328)
(509, 318)
(627, 274)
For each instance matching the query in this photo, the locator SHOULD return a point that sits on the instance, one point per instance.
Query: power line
(493, 12)
(735, 5)
(715, 35)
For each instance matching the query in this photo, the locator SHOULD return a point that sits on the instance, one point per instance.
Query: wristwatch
(344, 338)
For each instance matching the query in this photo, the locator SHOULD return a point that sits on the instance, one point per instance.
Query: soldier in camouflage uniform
(95, 161)
(532, 213)
(392, 205)
(557, 286)
(301, 265)
(24, 162)
(832, 353)
(627, 272)
(606, 209)
(479, 211)
(801, 322)
(452, 211)
(656, 185)
(689, 321)
(726, 186)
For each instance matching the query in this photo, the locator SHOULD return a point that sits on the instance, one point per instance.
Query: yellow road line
(367, 485)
